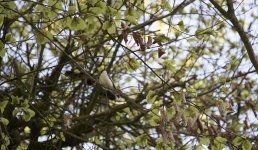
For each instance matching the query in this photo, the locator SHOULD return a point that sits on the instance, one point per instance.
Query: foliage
(185, 74)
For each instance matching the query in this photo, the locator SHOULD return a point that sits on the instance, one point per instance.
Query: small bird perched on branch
(107, 85)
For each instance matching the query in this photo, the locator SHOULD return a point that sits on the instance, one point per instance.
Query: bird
(107, 85)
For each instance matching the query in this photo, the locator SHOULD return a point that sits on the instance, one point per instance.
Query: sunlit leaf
(237, 141)
(246, 145)
(220, 139)
(15, 99)
(28, 114)
(112, 29)
(181, 25)
(97, 10)
(2, 50)
(72, 9)
(4, 121)
(142, 140)
(3, 104)
(132, 19)
(169, 65)
(77, 24)
(171, 112)
(151, 97)
(1, 19)
(205, 141)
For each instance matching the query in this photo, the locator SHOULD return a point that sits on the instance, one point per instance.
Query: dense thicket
(185, 74)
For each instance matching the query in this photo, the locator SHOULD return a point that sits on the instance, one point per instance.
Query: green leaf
(25, 104)
(106, 25)
(8, 37)
(62, 136)
(191, 110)
(165, 5)
(5, 141)
(97, 10)
(169, 65)
(72, 9)
(92, 2)
(66, 22)
(78, 24)
(159, 145)
(41, 39)
(130, 12)
(208, 31)
(16, 111)
(27, 130)
(171, 112)
(205, 141)
(2, 49)
(153, 119)
(132, 20)
(246, 145)
(133, 64)
(118, 116)
(97, 141)
(199, 147)
(51, 2)
(2, 52)
(151, 97)
(4, 121)
(1, 19)
(112, 29)
(28, 114)
(48, 35)
(222, 106)
(127, 110)
(101, 5)
(237, 141)
(50, 14)
(44, 130)
(51, 121)
(193, 11)
(3, 105)
(156, 104)
(142, 140)
(191, 91)
(177, 97)
(111, 10)
(181, 25)
(15, 99)
(200, 32)
(220, 139)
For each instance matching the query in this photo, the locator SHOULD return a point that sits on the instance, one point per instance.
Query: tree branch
(230, 15)
(178, 8)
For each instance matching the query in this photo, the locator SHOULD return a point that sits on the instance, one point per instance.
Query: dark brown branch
(177, 9)
(230, 15)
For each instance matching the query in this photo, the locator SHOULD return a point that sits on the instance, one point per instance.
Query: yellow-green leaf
(205, 141)
(97, 10)
(78, 24)
(171, 112)
(2, 49)
(3, 105)
(246, 145)
(237, 141)
(4, 121)
(112, 29)
(220, 139)
(28, 114)
(1, 19)
(181, 25)
(169, 65)
(15, 99)
(151, 97)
